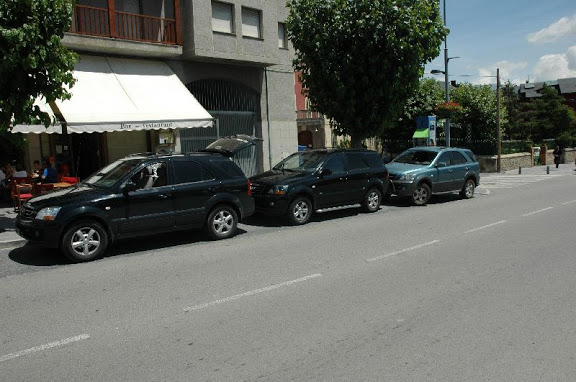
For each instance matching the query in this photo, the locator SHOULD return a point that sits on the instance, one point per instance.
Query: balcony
(307, 115)
(109, 23)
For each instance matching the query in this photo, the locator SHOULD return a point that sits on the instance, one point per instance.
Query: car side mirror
(325, 171)
(129, 187)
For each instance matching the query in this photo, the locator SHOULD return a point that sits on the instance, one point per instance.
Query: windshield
(423, 157)
(304, 161)
(109, 175)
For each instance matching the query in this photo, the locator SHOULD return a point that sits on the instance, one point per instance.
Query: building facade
(232, 56)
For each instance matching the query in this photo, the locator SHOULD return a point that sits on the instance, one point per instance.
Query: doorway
(87, 153)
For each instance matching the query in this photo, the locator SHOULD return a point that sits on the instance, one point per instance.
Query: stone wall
(513, 161)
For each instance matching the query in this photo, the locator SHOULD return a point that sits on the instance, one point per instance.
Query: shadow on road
(35, 255)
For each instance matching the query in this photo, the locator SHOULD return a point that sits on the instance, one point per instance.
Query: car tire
(221, 222)
(300, 211)
(421, 195)
(468, 189)
(83, 241)
(372, 200)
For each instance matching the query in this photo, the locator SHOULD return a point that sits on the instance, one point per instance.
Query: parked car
(314, 180)
(419, 172)
(143, 194)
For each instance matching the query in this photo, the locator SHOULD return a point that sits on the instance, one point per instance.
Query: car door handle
(163, 196)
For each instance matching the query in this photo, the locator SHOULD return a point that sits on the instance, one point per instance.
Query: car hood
(67, 196)
(402, 168)
(273, 177)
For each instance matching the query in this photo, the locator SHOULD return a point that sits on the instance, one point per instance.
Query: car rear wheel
(468, 189)
(372, 200)
(222, 222)
(421, 195)
(84, 241)
(300, 211)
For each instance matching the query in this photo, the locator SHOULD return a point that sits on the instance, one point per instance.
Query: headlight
(48, 213)
(278, 190)
(408, 177)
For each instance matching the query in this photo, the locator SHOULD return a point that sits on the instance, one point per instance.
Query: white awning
(38, 129)
(119, 94)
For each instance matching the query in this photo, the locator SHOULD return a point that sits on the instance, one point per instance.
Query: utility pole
(499, 132)
(446, 83)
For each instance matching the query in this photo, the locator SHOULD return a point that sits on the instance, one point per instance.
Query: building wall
(122, 143)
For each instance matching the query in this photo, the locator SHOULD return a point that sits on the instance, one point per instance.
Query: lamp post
(498, 133)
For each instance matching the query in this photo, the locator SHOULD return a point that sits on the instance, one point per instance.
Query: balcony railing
(125, 26)
(308, 114)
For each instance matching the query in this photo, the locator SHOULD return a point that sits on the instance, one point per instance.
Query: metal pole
(446, 83)
(499, 132)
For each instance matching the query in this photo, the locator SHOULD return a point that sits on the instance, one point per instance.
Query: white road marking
(485, 226)
(404, 250)
(44, 347)
(538, 211)
(251, 293)
(570, 202)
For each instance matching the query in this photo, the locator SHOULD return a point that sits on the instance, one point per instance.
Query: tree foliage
(547, 117)
(361, 60)
(34, 62)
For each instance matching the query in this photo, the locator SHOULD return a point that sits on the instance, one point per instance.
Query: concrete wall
(513, 161)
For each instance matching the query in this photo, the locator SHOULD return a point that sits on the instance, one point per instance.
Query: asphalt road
(459, 290)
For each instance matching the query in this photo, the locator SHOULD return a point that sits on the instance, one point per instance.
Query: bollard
(547, 169)
(519, 169)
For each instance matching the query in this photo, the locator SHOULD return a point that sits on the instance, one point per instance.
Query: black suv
(143, 194)
(314, 180)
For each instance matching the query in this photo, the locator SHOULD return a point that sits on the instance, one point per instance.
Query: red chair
(70, 179)
(21, 191)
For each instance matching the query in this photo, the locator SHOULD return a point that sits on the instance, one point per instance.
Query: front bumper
(45, 233)
(403, 188)
(272, 205)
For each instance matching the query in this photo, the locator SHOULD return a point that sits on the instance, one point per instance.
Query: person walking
(557, 154)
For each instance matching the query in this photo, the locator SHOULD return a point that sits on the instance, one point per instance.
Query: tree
(34, 61)
(360, 60)
(479, 115)
(548, 117)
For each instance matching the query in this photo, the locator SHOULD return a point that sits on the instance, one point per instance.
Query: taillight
(249, 188)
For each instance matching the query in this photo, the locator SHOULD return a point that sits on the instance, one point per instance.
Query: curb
(9, 244)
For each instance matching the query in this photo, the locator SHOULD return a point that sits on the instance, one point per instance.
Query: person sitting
(37, 169)
(49, 175)
(20, 172)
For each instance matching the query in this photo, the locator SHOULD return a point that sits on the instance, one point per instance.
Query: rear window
(228, 168)
(471, 155)
(190, 172)
(356, 161)
(374, 160)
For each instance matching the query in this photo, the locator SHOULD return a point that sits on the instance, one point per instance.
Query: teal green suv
(419, 172)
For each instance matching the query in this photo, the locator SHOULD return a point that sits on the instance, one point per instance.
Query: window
(222, 17)
(251, 23)
(444, 159)
(151, 176)
(282, 39)
(356, 161)
(457, 158)
(334, 164)
(190, 172)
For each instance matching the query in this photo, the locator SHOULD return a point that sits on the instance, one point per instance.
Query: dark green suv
(419, 172)
(316, 180)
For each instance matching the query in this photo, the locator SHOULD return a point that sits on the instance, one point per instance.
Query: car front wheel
(468, 189)
(84, 241)
(222, 222)
(421, 194)
(372, 200)
(300, 211)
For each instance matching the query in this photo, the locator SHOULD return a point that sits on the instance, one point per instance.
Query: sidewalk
(8, 236)
(563, 169)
